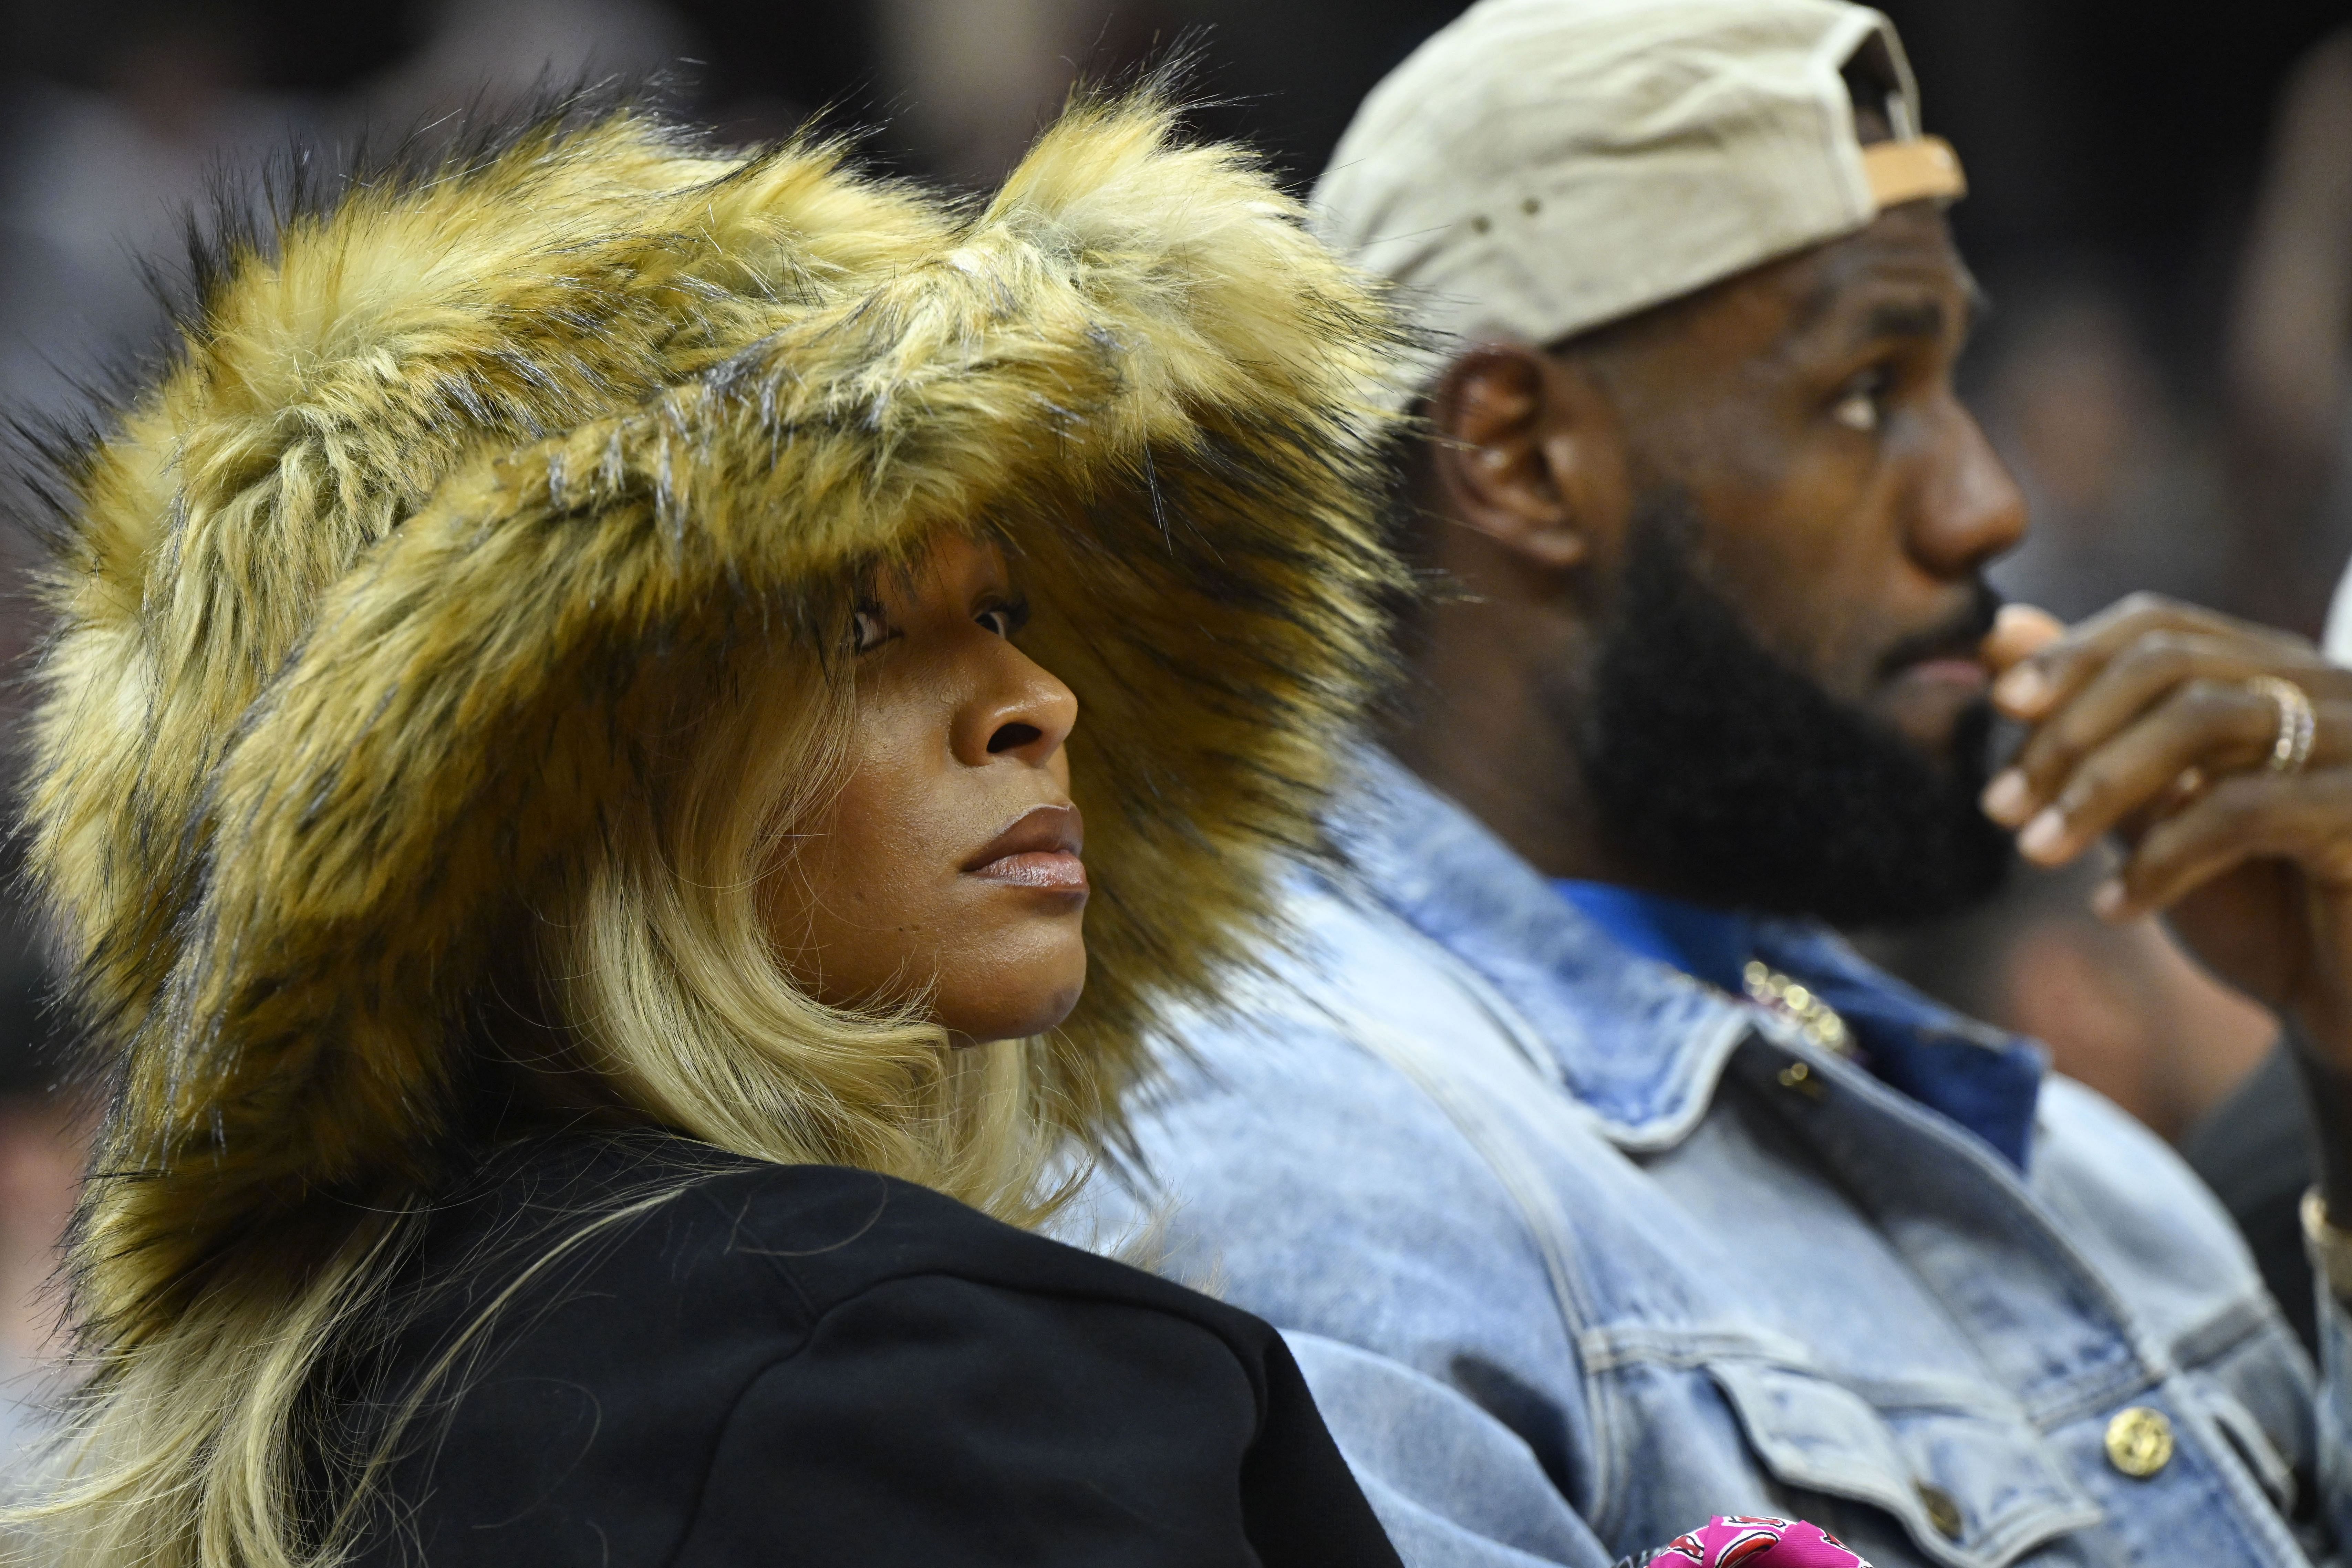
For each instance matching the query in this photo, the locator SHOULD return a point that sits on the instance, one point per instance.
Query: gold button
(1800, 1077)
(2139, 1442)
(1942, 1512)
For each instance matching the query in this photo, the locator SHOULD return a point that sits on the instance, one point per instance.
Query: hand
(2142, 726)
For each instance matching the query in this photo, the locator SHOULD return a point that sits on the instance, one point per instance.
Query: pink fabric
(1739, 1541)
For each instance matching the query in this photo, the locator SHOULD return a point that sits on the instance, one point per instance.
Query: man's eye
(1859, 406)
(869, 629)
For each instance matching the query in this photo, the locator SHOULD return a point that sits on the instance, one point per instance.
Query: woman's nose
(1021, 711)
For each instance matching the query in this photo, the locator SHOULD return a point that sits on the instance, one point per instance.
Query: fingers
(2251, 816)
(2049, 677)
(2202, 728)
(2020, 631)
(2129, 701)
(2155, 668)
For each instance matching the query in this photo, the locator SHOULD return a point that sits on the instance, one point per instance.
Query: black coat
(813, 1365)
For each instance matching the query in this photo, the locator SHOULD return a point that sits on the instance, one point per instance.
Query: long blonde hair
(189, 1449)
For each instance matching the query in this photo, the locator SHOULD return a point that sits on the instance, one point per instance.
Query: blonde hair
(187, 1449)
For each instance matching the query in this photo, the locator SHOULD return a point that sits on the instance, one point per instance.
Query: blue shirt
(1987, 1085)
(1574, 1258)
(1710, 944)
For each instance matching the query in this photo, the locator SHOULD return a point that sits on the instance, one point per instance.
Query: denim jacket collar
(1639, 1043)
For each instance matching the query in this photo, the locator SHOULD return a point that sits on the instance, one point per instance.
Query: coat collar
(1637, 1042)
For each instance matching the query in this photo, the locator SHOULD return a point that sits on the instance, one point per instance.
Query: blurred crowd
(2161, 213)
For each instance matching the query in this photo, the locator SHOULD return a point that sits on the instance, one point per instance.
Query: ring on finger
(2297, 725)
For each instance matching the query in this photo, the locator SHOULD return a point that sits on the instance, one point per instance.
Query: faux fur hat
(346, 598)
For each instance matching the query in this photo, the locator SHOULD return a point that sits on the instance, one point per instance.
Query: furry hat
(348, 597)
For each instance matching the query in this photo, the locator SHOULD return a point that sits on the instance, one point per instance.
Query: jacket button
(1942, 1512)
(2139, 1441)
(1800, 1077)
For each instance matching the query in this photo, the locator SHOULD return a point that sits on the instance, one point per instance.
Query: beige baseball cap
(1541, 167)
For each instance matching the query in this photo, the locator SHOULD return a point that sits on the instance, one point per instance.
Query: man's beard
(1732, 778)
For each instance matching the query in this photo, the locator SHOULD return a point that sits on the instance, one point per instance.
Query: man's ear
(1527, 451)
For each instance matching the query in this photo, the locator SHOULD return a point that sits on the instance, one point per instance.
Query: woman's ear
(1527, 452)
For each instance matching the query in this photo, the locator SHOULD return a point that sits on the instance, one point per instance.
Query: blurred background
(2161, 210)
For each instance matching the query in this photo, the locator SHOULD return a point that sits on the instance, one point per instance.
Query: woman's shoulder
(809, 1239)
(685, 1342)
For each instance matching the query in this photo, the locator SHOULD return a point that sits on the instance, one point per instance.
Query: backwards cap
(1541, 167)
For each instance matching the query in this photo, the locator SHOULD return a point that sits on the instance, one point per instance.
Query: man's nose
(1968, 509)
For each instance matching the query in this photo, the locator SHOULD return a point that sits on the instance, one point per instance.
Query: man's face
(1845, 502)
(1722, 571)
(1786, 709)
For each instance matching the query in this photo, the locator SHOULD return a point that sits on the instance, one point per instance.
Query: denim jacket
(1577, 1251)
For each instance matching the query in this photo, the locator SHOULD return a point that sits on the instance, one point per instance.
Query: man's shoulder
(2127, 1200)
(2082, 1137)
(1290, 1051)
(1283, 1156)
(1364, 1054)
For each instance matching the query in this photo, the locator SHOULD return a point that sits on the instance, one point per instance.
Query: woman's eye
(1861, 406)
(869, 629)
(1005, 620)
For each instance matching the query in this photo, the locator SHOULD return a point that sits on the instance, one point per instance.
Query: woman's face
(950, 860)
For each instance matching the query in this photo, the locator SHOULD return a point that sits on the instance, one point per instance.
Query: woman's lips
(1052, 868)
(1040, 849)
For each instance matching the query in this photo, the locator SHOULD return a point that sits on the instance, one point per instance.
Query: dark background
(2086, 124)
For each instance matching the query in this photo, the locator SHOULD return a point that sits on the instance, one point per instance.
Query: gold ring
(2297, 725)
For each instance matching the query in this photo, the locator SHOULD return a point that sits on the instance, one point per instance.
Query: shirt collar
(1712, 944)
(1637, 1041)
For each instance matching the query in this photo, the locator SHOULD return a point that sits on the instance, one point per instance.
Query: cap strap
(1913, 168)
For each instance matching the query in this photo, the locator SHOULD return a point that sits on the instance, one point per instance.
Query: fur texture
(351, 600)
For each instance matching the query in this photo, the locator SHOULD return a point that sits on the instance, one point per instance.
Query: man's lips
(1040, 849)
(1948, 670)
(1950, 653)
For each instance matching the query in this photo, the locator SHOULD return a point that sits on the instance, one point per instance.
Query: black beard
(1736, 779)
